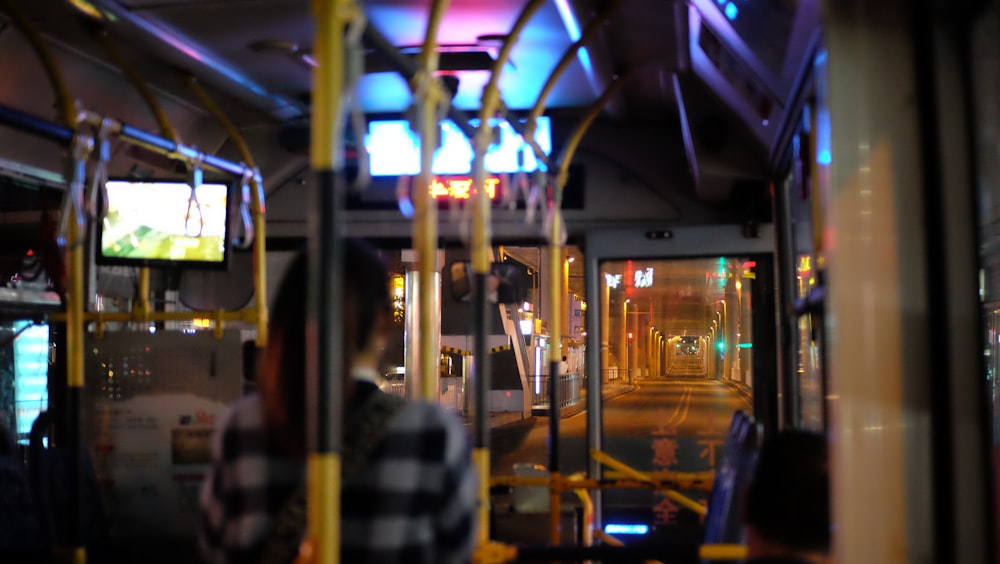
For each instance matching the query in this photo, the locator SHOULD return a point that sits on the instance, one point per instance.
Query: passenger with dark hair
(788, 501)
(409, 496)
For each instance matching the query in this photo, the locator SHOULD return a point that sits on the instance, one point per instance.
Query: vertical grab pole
(75, 373)
(425, 225)
(325, 327)
(481, 251)
(555, 360)
(556, 236)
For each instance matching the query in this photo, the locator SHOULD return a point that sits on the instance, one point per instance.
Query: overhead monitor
(394, 149)
(163, 223)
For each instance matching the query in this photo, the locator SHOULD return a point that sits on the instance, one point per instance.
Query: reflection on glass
(809, 367)
(682, 331)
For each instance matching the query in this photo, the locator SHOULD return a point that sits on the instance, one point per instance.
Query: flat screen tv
(160, 223)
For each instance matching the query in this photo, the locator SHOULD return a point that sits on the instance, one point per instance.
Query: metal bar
(568, 56)
(555, 362)
(678, 552)
(64, 100)
(595, 401)
(246, 315)
(257, 207)
(75, 305)
(607, 484)
(326, 283)
(483, 385)
(425, 225)
(35, 125)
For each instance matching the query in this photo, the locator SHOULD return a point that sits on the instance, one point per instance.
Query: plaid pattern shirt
(412, 501)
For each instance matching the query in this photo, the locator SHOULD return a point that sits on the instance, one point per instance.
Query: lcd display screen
(164, 222)
(394, 150)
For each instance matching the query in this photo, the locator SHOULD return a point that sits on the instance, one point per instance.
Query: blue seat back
(724, 520)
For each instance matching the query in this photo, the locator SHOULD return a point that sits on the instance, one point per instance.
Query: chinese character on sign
(644, 278)
(612, 280)
(709, 450)
(491, 187)
(460, 189)
(438, 189)
(666, 512)
(665, 452)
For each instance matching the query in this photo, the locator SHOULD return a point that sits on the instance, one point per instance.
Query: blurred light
(571, 259)
(732, 11)
(526, 326)
(722, 346)
(824, 157)
(626, 529)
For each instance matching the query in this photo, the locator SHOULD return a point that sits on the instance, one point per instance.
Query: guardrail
(571, 388)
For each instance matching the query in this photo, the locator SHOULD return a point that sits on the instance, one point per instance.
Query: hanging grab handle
(197, 178)
(98, 182)
(73, 201)
(245, 199)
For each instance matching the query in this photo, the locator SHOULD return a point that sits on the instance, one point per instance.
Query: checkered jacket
(412, 501)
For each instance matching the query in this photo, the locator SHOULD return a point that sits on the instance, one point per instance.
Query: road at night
(676, 424)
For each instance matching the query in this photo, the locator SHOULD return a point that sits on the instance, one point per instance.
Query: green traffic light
(722, 346)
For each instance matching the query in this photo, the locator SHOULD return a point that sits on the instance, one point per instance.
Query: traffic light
(722, 346)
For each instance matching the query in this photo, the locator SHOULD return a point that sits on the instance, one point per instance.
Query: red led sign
(460, 188)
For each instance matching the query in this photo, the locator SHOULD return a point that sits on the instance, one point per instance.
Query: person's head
(788, 500)
(282, 370)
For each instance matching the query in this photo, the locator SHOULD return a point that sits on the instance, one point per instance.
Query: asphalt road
(677, 424)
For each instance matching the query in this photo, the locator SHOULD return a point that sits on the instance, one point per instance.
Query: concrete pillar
(623, 339)
(411, 332)
(633, 361)
(605, 329)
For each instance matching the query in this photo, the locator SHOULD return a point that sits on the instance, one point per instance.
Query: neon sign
(394, 149)
(644, 278)
(460, 188)
(612, 280)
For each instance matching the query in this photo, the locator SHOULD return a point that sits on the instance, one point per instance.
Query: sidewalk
(607, 392)
(746, 392)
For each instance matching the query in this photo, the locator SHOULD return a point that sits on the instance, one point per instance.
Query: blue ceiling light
(732, 11)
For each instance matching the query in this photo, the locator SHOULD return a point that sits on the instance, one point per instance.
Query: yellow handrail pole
(324, 381)
(588, 33)
(555, 239)
(166, 129)
(569, 149)
(256, 209)
(75, 298)
(722, 552)
(481, 262)
(425, 224)
(141, 304)
(555, 337)
(67, 106)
